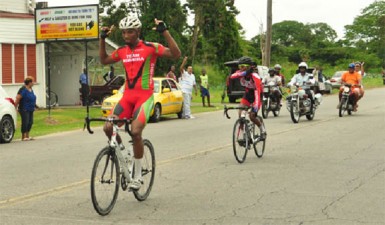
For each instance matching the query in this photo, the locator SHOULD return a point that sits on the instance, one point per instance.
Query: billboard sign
(67, 23)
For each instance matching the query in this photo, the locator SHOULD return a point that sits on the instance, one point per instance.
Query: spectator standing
(26, 103)
(187, 82)
(204, 87)
(85, 88)
(110, 74)
(171, 72)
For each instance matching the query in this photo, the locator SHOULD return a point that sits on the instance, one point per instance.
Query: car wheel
(157, 112)
(7, 129)
(180, 114)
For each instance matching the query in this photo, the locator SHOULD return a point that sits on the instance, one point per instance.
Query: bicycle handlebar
(88, 121)
(228, 108)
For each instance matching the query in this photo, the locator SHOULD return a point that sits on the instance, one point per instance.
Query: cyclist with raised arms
(139, 59)
(253, 86)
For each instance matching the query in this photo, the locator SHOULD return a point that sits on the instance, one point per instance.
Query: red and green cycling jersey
(139, 63)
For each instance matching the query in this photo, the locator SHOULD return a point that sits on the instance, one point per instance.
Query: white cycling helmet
(302, 64)
(277, 66)
(130, 22)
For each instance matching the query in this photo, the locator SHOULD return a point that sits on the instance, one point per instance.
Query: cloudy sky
(336, 13)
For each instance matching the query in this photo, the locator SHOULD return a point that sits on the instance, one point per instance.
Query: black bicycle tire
(257, 153)
(138, 193)
(111, 158)
(240, 159)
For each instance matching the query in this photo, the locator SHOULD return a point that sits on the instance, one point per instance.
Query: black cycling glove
(103, 34)
(249, 71)
(161, 27)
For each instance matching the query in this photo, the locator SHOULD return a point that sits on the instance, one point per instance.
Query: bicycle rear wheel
(259, 145)
(105, 181)
(148, 171)
(240, 140)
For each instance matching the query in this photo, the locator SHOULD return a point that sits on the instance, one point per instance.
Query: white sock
(138, 168)
(262, 128)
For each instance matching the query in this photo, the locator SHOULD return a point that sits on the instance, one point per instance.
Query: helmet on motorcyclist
(303, 65)
(245, 60)
(277, 66)
(351, 66)
(271, 72)
(130, 22)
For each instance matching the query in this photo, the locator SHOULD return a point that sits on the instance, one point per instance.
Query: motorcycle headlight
(293, 88)
(346, 89)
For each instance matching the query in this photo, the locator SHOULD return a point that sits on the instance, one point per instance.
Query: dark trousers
(26, 120)
(85, 92)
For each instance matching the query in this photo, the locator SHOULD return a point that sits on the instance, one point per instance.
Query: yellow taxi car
(168, 99)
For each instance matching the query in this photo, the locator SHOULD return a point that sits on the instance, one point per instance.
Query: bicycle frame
(245, 111)
(127, 170)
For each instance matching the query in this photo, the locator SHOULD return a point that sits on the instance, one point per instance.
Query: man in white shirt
(304, 80)
(187, 83)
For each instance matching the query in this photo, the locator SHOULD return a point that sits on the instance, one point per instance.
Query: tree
(215, 21)
(322, 35)
(367, 32)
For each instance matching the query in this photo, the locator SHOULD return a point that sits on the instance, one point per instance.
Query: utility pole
(268, 32)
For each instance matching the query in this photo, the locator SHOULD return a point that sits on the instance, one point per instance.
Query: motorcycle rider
(303, 79)
(353, 78)
(274, 79)
(253, 86)
(277, 69)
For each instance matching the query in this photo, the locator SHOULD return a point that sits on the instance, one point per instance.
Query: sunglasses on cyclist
(243, 65)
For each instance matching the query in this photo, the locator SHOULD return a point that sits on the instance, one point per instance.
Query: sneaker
(191, 117)
(136, 184)
(263, 136)
(355, 108)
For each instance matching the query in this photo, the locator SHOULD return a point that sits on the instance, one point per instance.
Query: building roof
(11, 15)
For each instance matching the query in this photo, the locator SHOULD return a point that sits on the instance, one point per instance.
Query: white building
(20, 56)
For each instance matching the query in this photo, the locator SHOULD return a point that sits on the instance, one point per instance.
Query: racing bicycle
(246, 135)
(114, 167)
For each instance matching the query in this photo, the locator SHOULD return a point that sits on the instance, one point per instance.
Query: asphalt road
(327, 171)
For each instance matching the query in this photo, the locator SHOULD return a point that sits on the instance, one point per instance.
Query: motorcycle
(299, 103)
(346, 103)
(270, 102)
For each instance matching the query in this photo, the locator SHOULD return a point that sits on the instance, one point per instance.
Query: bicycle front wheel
(148, 171)
(105, 181)
(240, 140)
(259, 144)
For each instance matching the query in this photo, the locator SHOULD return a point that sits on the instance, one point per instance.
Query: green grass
(60, 119)
(72, 118)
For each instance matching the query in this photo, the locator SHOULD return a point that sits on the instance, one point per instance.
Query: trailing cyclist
(138, 58)
(253, 86)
